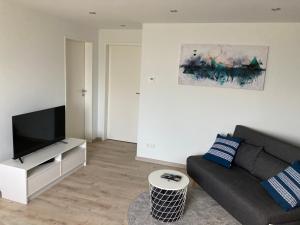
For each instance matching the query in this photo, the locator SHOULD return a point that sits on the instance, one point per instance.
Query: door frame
(107, 79)
(88, 109)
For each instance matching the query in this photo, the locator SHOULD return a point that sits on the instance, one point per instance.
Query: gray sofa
(238, 190)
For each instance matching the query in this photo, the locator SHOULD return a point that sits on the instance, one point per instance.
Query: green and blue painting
(230, 66)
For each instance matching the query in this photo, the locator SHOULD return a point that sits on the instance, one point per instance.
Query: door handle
(137, 93)
(83, 91)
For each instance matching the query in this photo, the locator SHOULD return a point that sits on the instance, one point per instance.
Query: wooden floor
(98, 194)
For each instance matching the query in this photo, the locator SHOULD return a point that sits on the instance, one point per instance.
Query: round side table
(167, 197)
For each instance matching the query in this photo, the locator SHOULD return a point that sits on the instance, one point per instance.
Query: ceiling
(132, 13)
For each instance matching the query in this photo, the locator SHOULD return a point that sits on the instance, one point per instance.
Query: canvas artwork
(230, 66)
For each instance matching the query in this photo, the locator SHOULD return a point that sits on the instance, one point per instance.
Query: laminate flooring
(98, 194)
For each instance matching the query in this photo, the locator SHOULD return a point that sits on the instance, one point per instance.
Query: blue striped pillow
(223, 150)
(284, 188)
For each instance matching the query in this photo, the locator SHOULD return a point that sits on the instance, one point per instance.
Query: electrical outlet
(150, 146)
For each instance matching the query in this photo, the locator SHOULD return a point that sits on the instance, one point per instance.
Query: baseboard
(160, 162)
(97, 139)
(89, 141)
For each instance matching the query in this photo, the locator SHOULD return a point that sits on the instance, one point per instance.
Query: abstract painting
(231, 66)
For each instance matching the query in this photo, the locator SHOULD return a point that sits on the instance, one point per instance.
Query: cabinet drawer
(43, 178)
(72, 160)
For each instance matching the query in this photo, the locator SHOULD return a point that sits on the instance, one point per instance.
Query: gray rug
(200, 209)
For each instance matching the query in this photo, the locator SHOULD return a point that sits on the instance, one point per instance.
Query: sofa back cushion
(246, 156)
(267, 166)
(281, 150)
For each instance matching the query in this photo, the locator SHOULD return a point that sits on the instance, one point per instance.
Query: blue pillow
(284, 188)
(223, 150)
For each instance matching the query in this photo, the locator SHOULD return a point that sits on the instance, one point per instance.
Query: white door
(123, 94)
(75, 84)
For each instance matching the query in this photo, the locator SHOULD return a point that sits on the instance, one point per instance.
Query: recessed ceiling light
(92, 13)
(122, 25)
(173, 11)
(276, 9)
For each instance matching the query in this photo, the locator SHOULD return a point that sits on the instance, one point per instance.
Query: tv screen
(33, 131)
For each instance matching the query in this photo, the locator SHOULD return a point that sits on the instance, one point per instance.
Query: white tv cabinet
(22, 182)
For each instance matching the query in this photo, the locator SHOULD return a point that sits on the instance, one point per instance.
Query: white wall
(106, 38)
(184, 120)
(32, 74)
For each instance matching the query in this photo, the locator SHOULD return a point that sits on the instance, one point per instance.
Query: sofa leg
(194, 184)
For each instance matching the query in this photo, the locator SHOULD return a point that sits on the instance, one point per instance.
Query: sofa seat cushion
(239, 193)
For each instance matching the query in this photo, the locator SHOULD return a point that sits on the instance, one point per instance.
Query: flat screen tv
(36, 130)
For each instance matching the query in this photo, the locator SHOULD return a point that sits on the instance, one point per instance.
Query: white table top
(155, 179)
(44, 154)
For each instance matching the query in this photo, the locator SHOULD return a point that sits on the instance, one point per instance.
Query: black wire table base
(167, 205)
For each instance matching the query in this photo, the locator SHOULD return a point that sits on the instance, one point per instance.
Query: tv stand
(23, 181)
(20, 159)
(64, 142)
